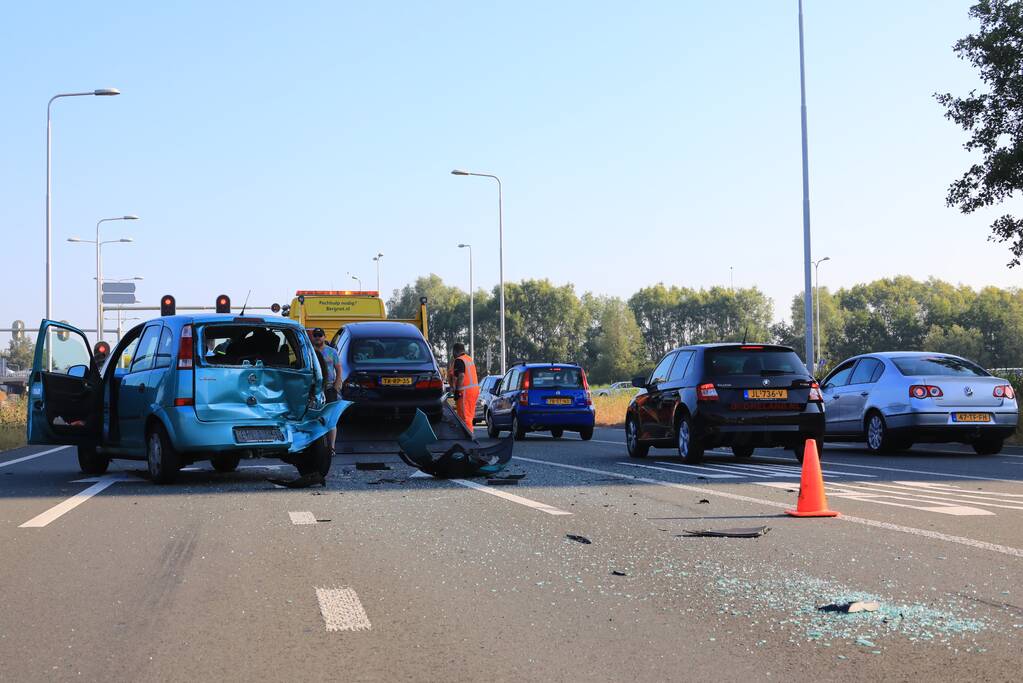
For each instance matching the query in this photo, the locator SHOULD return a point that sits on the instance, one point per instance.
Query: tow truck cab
(331, 310)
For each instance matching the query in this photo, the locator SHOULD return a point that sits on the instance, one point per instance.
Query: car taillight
(815, 393)
(706, 392)
(925, 391)
(180, 402)
(1005, 391)
(185, 347)
(524, 397)
(586, 385)
(430, 383)
(527, 380)
(589, 398)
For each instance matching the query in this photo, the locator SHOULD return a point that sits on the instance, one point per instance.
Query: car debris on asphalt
(578, 539)
(305, 481)
(743, 532)
(851, 607)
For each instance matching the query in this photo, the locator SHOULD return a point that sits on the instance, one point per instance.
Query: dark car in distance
(744, 396)
(388, 370)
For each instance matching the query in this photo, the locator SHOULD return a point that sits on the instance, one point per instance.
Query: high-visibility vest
(469, 380)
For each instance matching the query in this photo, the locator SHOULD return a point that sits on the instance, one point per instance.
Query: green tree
(993, 119)
(447, 311)
(543, 322)
(957, 340)
(20, 353)
(620, 350)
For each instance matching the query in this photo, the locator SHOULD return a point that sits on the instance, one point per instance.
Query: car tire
(315, 458)
(586, 433)
(517, 429)
(987, 446)
(492, 431)
(690, 448)
(91, 462)
(162, 459)
(798, 449)
(557, 433)
(875, 433)
(227, 462)
(636, 447)
(743, 452)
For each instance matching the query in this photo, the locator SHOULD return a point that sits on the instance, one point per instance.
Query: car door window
(164, 350)
(864, 371)
(840, 377)
(660, 373)
(146, 351)
(678, 370)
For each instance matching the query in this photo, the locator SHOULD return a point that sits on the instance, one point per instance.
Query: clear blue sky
(276, 146)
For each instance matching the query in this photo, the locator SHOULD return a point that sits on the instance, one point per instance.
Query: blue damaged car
(183, 388)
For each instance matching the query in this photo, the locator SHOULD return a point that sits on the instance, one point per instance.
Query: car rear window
(275, 347)
(752, 361)
(388, 351)
(938, 365)
(556, 378)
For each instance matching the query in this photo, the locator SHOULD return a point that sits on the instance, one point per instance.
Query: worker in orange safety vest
(464, 384)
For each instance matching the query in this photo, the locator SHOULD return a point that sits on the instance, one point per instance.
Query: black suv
(739, 395)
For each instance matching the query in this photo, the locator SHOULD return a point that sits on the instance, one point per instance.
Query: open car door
(65, 395)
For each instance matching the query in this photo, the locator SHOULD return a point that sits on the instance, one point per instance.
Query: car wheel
(91, 462)
(228, 462)
(689, 447)
(987, 446)
(800, 448)
(557, 433)
(161, 458)
(876, 434)
(586, 433)
(315, 458)
(492, 431)
(742, 452)
(517, 429)
(637, 449)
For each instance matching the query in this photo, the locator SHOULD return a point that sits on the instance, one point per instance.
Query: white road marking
(927, 493)
(302, 517)
(74, 501)
(34, 455)
(930, 472)
(872, 493)
(342, 610)
(613, 443)
(727, 469)
(673, 470)
(542, 507)
(710, 491)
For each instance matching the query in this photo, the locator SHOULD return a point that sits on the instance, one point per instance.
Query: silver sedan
(895, 399)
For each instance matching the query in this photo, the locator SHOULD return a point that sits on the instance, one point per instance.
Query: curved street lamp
(99, 265)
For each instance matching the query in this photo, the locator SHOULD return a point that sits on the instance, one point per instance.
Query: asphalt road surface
(386, 576)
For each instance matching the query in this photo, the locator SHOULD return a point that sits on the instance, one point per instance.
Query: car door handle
(864, 393)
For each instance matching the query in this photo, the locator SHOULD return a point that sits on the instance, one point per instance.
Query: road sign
(18, 329)
(118, 298)
(119, 287)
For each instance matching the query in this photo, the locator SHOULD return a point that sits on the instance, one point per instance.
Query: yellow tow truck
(333, 309)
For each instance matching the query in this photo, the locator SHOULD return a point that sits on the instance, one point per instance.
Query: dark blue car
(542, 397)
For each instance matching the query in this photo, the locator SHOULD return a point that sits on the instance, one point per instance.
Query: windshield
(556, 378)
(389, 351)
(750, 361)
(274, 347)
(938, 365)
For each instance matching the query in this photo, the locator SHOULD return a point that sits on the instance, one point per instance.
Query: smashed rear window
(753, 361)
(938, 365)
(274, 347)
(556, 378)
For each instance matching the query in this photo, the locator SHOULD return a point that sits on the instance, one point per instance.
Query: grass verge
(610, 410)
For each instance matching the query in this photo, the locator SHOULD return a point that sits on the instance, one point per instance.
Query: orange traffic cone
(812, 501)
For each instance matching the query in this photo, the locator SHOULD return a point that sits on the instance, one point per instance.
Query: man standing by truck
(332, 378)
(464, 384)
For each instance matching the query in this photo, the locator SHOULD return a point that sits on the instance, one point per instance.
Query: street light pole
(377, 259)
(357, 279)
(472, 326)
(816, 296)
(103, 92)
(500, 234)
(99, 266)
(807, 298)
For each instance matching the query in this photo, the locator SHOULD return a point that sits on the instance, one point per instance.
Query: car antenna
(744, 332)
(246, 302)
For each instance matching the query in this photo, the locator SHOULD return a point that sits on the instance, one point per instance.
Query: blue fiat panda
(540, 397)
(183, 388)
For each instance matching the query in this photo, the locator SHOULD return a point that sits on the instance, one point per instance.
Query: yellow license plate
(971, 417)
(559, 401)
(396, 381)
(769, 394)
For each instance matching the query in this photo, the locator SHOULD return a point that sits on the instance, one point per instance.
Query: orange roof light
(334, 292)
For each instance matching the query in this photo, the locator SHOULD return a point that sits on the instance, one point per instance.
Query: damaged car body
(184, 388)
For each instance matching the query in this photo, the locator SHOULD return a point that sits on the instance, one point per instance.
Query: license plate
(971, 417)
(766, 394)
(257, 434)
(559, 401)
(395, 381)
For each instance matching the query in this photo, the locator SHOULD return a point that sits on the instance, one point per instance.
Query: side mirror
(639, 382)
(78, 370)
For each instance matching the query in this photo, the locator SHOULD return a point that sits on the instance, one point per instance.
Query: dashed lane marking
(700, 473)
(302, 517)
(34, 455)
(342, 610)
(710, 491)
(542, 507)
(867, 494)
(74, 501)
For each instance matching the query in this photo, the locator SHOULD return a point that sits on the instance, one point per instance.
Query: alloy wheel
(875, 432)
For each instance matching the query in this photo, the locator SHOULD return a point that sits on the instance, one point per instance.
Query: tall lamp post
(377, 259)
(500, 234)
(817, 299)
(472, 343)
(103, 92)
(807, 302)
(357, 279)
(99, 265)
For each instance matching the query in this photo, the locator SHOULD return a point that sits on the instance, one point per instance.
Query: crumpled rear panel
(230, 394)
